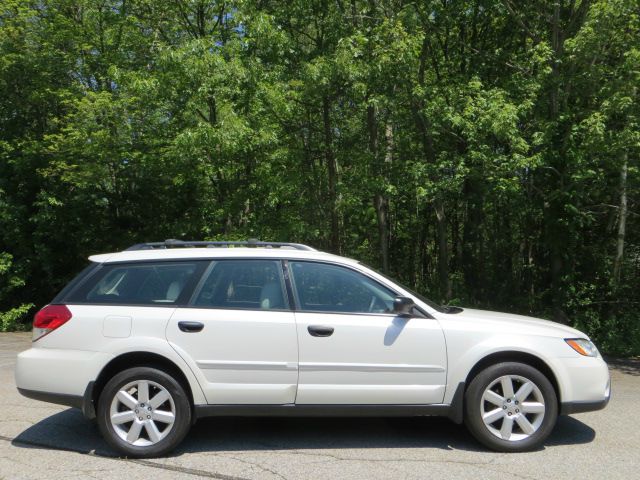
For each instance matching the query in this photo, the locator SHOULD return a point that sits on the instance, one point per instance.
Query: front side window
(331, 288)
(243, 284)
(139, 284)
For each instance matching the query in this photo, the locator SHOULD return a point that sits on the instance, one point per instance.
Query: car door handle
(320, 331)
(190, 327)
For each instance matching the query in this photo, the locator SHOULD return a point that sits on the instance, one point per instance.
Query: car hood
(519, 322)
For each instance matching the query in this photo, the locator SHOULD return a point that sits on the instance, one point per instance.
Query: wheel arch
(515, 356)
(130, 360)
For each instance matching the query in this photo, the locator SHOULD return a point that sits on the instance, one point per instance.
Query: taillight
(48, 319)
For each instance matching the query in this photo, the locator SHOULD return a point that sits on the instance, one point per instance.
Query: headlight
(582, 346)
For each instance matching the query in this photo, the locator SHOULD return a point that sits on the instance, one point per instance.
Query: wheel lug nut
(508, 400)
(509, 414)
(137, 410)
(140, 418)
(504, 408)
(149, 416)
(149, 408)
(517, 411)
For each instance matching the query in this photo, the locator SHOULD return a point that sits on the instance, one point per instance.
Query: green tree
(484, 152)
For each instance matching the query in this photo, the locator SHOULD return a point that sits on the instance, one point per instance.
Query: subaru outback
(149, 340)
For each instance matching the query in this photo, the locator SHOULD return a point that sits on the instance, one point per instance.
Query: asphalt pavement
(44, 441)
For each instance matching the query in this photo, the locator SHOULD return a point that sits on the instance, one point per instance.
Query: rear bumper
(57, 398)
(83, 402)
(64, 377)
(64, 372)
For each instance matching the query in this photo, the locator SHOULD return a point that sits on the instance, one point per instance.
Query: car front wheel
(143, 412)
(511, 407)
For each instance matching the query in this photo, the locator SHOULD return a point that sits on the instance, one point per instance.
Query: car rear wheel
(143, 412)
(511, 407)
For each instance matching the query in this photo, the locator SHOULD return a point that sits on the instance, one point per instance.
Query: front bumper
(589, 386)
(567, 408)
(580, 407)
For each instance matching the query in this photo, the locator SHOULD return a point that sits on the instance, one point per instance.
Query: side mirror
(403, 306)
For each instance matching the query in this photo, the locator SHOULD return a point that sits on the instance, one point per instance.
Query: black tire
(175, 433)
(474, 403)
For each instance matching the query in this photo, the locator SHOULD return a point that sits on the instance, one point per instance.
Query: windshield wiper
(452, 309)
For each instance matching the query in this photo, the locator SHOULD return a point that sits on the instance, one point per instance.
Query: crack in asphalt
(484, 465)
(254, 464)
(221, 476)
(145, 463)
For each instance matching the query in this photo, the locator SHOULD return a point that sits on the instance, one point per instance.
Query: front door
(353, 350)
(239, 334)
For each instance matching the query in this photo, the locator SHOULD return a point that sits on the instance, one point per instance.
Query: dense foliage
(483, 151)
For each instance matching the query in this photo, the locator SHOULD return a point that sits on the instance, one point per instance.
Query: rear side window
(243, 284)
(140, 283)
(77, 280)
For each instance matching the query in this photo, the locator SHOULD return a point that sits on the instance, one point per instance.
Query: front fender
(464, 356)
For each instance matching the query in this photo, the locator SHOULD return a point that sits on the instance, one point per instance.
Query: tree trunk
(557, 231)
(622, 222)
(332, 169)
(384, 200)
(443, 249)
(556, 44)
(424, 127)
(472, 261)
(382, 213)
(380, 202)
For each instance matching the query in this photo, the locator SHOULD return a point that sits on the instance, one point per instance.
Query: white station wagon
(150, 339)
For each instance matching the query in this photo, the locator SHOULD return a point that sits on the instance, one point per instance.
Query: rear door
(239, 334)
(353, 350)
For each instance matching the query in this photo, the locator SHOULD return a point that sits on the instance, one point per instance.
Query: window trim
(199, 284)
(286, 273)
(205, 275)
(204, 263)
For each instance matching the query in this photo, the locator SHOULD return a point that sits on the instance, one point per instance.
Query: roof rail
(251, 243)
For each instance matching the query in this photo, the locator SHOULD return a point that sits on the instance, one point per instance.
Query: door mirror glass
(403, 306)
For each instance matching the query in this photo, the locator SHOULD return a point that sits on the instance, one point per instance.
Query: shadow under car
(70, 431)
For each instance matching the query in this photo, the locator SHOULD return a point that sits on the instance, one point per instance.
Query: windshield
(431, 303)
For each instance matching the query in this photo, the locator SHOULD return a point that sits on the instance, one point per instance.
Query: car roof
(212, 253)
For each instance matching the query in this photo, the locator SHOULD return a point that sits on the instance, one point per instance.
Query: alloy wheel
(142, 413)
(512, 407)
